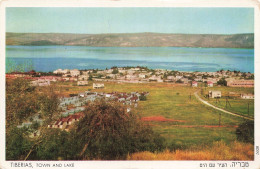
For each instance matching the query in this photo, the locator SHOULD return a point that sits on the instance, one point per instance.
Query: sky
(130, 20)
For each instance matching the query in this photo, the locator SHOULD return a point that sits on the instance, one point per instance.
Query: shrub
(245, 132)
(142, 98)
(22, 103)
(109, 132)
(17, 145)
(57, 145)
(115, 71)
(179, 81)
(222, 82)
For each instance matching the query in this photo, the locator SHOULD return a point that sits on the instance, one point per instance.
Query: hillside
(132, 40)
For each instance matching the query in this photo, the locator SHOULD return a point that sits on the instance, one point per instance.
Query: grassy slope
(164, 100)
(219, 151)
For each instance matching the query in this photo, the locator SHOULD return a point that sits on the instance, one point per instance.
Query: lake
(49, 58)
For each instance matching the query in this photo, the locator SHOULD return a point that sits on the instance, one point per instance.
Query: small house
(209, 83)
(185, 80)
(194, 84)
(74, 72)
(98, 85)
(82, 83)
(143, 76)
(247, 96)
(215, 94)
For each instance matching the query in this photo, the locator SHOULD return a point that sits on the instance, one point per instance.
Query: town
(136, 75)
(163, 98)
(71, 106)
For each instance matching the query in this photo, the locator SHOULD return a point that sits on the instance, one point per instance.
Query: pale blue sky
(130, 20)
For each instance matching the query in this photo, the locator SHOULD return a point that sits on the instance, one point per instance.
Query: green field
(199, 123)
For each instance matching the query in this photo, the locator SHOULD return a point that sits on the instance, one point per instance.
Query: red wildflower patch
(159, 119)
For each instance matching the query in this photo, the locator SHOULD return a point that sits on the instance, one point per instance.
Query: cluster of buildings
(240, 83)
(217, 94)
(72, 107)
(138, 75)
(65, 123)
(145, 75)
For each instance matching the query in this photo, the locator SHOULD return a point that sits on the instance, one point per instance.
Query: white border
(129, 3)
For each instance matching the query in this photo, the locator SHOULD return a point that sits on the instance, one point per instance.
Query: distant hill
(132, 40)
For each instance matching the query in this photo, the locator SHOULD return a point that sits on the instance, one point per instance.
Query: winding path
(225, 111)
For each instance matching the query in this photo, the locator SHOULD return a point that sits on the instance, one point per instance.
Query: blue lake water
(49, 58)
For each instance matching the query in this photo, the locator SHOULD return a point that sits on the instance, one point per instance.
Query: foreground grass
(218, 151)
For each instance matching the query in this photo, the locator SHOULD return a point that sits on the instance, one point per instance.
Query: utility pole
(217, 100)
(219, 122)
(227, 102)
(248, 108)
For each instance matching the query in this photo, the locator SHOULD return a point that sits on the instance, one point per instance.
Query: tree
(22, 103)
(109, 132)
(222, 82)
(57, 145)
(179, 81)
(164, 76)
(115, 71)
(99, 75)
(245, 132)
(142, 97)
(17, 144)
(90, 77)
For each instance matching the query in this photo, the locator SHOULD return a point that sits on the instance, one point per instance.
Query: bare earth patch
(159, 119)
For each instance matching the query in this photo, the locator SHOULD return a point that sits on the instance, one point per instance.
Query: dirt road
(224, 111)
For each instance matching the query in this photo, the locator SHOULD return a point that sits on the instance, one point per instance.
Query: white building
(247, 96)
(74, 72)
(143, 76)
(179, 77)
(82, 83)
(170, 77)
(83, 77)
(209, 84)
(85, 72)
(60, 71)
(108, 71)
(185, 80)
(130, 72)
(40, 82)
(121, 71)
(98, 85)
(215, 94)
(194, 84)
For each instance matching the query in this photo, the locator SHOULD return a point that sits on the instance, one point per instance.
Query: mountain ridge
(145, 39)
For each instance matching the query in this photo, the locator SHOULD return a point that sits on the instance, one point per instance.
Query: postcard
(120, 84)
